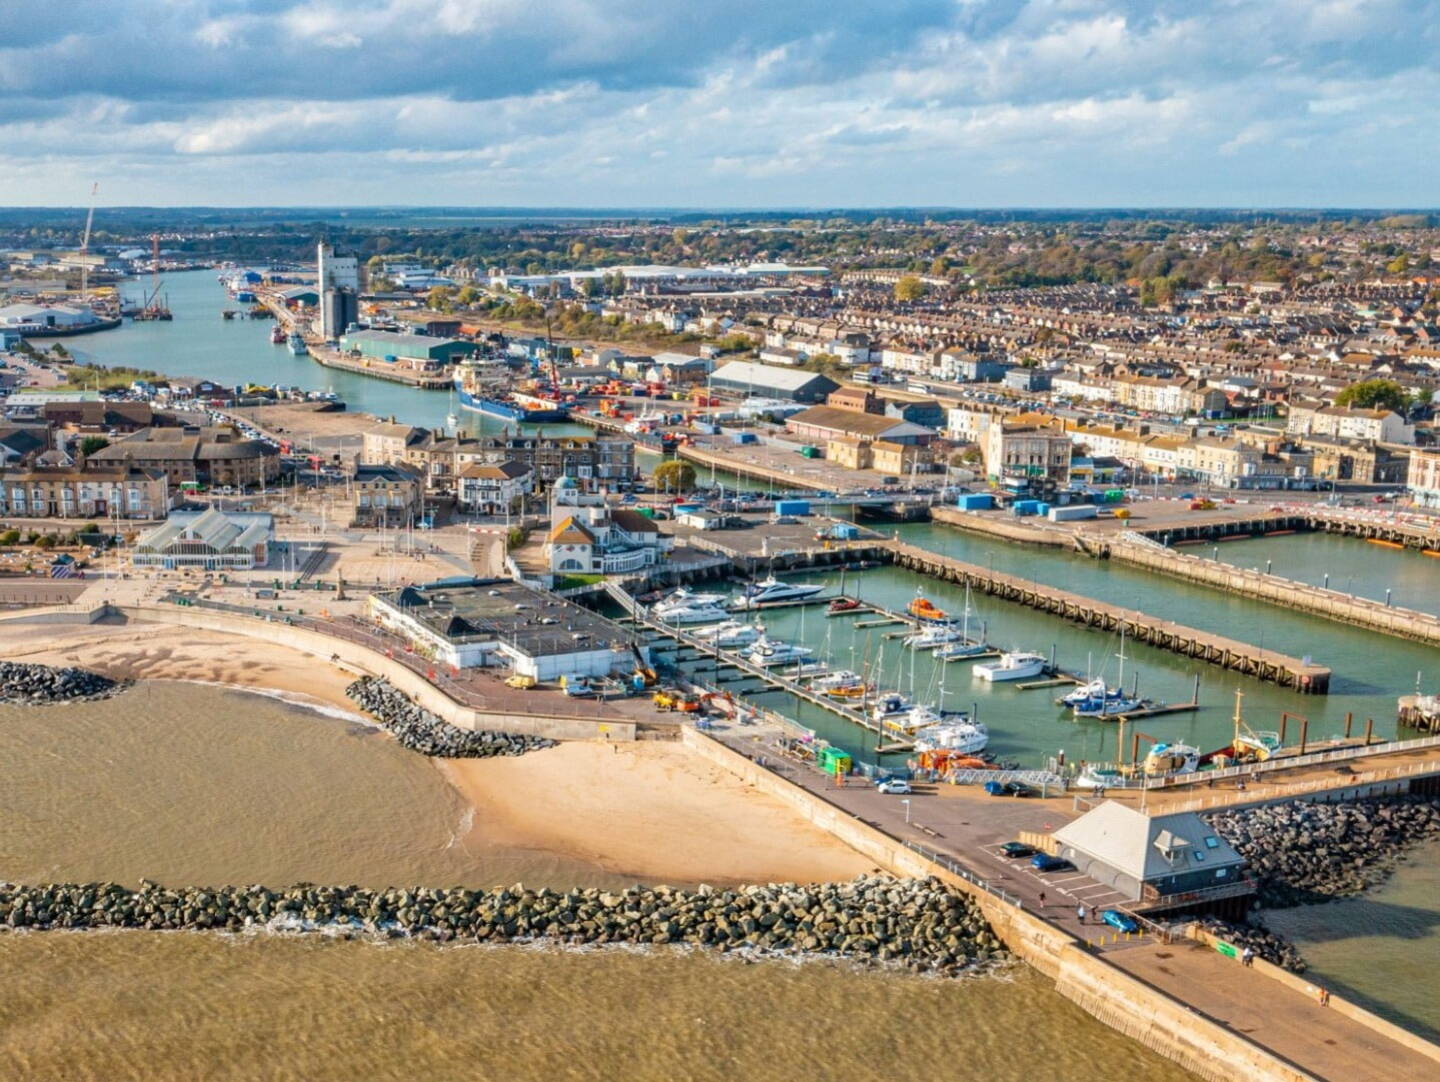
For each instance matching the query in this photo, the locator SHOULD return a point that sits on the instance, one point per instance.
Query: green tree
(90, 444)
(10, 537)
(440, 298)
(1399, 265)
(674, 476)
(909, 288)
(1374, 394)
(467, 296)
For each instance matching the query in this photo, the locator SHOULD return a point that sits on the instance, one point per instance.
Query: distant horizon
(742, 104)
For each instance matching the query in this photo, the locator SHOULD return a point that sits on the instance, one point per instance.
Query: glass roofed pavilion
(212, 540)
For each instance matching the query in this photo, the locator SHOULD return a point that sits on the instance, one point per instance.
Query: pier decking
(1230, 654)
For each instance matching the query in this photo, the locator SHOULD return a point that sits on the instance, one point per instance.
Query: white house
(494, 490)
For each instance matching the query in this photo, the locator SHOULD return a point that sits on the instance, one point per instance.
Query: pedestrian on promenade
(1080, 912)
(1324, 997)
(1042, 899)
(1247, 957)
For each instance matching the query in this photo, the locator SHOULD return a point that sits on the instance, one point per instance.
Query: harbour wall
(1230, 654)
(1121, 1001)
(1331, 604)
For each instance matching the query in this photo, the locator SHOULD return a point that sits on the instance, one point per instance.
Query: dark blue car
(1046, 863)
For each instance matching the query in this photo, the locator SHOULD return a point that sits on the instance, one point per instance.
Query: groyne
(918, 924)
(420, 731)
(1277, 668)
(35, 685)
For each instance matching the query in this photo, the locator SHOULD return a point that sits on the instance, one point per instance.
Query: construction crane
(85, 247)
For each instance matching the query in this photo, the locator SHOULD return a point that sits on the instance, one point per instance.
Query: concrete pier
(1331, 604)
(1241, 657)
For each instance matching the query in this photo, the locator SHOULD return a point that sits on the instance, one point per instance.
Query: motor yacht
(1013, 665)
(933, 635)
(771, 590)
(958, 734)
(771, 652)
(689, 611)
(890, 704)
(731, 633)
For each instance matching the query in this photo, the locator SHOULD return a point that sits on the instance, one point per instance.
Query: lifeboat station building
(476, 623)
(1157, 862)
(210, 540)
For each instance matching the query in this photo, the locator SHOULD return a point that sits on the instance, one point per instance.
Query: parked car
(1016, 850)
(1117, 919)
(1044, 862)
(1008, 788)
(895, 787)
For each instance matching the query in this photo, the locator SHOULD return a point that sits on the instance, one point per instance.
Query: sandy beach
(646, 810)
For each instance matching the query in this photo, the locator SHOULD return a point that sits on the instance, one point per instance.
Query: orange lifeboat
(922, 609)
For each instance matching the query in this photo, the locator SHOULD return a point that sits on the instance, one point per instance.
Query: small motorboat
(890, 704)
(839, 684)
(932, 635)
(959, 651)
(1165, 759)
(1084, 692)
(844, 604)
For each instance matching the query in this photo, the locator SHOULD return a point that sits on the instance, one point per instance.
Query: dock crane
(85, 246)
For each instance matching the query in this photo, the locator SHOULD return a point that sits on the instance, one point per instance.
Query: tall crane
(85, 246)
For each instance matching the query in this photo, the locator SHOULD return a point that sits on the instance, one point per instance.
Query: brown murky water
(188, 784)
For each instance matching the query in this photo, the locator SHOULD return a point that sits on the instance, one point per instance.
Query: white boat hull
(998, 673)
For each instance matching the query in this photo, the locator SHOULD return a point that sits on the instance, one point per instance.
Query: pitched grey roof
(1146, 847)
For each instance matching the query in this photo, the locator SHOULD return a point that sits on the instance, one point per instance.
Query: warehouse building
(470, 623)
(767, 381)
(820, 424)
(411, 347)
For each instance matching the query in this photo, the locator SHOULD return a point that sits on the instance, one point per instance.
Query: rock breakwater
(1302, 853)
(30, 684)
(1266, 944)
(421, 731)
(918, 924)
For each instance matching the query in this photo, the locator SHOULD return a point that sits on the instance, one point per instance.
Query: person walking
(1247, 957)
(1080, 912)
(1042, 899)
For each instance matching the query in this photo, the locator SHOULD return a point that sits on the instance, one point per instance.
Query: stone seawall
(920, 925)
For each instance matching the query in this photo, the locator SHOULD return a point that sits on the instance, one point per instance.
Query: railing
(1333, 755)
(1039, 778)
(1299, 789)
(970, 877)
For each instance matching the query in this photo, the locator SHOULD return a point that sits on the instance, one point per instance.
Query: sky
(734, 103)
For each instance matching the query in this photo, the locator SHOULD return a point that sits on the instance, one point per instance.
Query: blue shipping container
(1042, 508)
(743, 437)
(792, 507)
(976, 501)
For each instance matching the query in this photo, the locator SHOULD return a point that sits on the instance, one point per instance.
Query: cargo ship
(510, 405)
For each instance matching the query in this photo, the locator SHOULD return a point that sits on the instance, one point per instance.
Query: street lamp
(907, 811)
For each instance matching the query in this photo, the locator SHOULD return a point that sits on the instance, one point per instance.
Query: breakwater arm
(1230, 654)
(1331, 604)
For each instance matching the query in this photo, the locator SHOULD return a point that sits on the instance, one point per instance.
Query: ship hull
(511, 412)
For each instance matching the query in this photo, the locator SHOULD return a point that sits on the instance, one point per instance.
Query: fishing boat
(933, 635)
(298, 346)
(771, 590)
(843, 684)
(1098, 777)
(277, 335)
(772, 652)
(1247, 745)
(890, 704)
(922, 609)
(1013, 665)
(1165, 759)
(731, 633)
(959, 735)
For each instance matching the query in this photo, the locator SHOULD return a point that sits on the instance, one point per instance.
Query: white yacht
(1013, 665)
(1084, 692)
(729, 634)
(933, 635)
(688, 611)
(956, 734)
(770, 590)
(770, 652)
